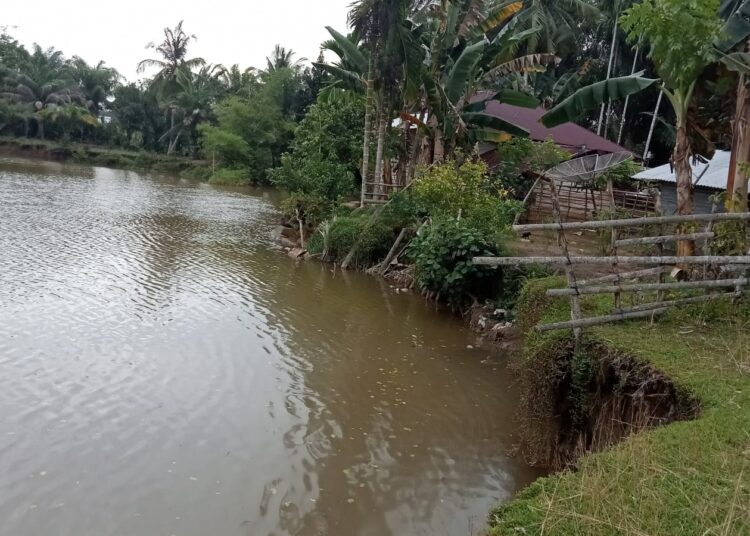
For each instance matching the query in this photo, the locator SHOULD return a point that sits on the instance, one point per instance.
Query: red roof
(571, 137)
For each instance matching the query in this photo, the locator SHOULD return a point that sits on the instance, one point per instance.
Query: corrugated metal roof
(715, 176)
(569, 136)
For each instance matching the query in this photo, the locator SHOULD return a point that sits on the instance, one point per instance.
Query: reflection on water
(163, 370)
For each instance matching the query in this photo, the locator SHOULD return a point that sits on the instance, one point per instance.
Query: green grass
(687, 478)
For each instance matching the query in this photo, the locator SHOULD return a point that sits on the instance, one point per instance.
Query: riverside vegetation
(401, 105)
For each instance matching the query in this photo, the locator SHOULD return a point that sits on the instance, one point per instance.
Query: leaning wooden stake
(392, 253)
(575, 304)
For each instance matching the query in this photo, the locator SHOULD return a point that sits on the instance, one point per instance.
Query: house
(710, 178)
(578, 202)
(575, 139)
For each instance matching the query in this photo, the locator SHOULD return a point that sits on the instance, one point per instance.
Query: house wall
(703, 204)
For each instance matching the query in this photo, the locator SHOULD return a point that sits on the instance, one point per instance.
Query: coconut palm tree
(173, 58)
(281, 58)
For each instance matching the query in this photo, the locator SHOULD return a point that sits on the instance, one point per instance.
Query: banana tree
(735, 37)
(681, 40)
(472, 55)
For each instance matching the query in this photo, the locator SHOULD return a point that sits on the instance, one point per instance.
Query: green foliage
(451, 190)
(732, 238)
(373, 239)
(591, 96)
(680, 33)
(231, 177)
(442, 257)
(519, 156)
(311, 208)
(325, 154)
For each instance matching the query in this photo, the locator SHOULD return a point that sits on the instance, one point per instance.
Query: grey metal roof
(715, 176)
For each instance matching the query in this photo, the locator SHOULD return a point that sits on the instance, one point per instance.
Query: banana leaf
(590, 97)
(478, 119)
(350, 49)
(462, 71)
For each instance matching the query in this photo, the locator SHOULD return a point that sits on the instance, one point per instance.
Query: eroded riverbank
(166, 370)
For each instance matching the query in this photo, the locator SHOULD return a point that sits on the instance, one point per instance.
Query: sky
(228, 31)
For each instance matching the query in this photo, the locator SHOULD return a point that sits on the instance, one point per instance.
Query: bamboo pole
(599, 320)
(392, 253)
(575, 304)
(654, 260)
(637, 274)
(632, 222)
(673, 303)
(663, 239)
(645, 287)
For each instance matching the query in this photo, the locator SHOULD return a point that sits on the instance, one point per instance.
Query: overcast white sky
(228, 31)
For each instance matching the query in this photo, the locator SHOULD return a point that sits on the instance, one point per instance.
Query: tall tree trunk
(403, 158)
(414, 152)
(652, 128)
(684, 174)
(40, 128)
(627, 100)
(382, 124)
(737, 181)
(369, 103)
(171, 134)
(609, 74)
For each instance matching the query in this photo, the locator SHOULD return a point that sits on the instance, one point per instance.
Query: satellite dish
(587, 168)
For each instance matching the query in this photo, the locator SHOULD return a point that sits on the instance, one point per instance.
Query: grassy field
(687, 478)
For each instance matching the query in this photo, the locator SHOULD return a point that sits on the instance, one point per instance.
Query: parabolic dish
(587, 168)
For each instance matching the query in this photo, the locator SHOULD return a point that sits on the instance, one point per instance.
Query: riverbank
(690, 369)
(96, 155)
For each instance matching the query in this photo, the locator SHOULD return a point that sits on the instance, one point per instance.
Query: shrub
(442, 257)
(373, 239)
(312, 209)
(449, 191)
(231, 177)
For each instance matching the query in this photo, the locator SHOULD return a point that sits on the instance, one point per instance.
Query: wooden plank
(633, 222)
(665, 239)
(673, 303)
(622, 259)
(645, 287)
(599, 320)
(637, 274)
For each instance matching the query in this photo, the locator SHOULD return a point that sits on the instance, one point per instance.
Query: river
(166, 370)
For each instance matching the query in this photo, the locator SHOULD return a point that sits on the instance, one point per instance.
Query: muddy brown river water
(165, 370)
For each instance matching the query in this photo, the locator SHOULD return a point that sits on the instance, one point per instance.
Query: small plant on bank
(442, 257)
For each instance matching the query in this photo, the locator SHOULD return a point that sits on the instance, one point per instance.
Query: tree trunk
(609, 74)
(368, 128)
(684, 174)
(382, 124)
(414, 153)
(403, 158)
(736, 196)
(438, 153)
(40, 128)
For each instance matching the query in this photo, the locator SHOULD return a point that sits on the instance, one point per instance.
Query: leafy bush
(373, 239)
(231, 177)
(312, 209)
(518, 156)
(451, 191)
(442, 257)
